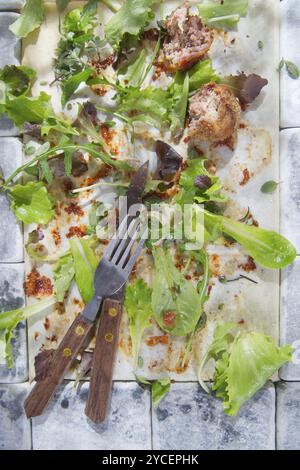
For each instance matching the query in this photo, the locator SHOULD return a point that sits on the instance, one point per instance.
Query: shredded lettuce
(32, 15)
(138, 306)
(130, 20)
(31, 203)
(10, 320)
(225, 14)
(244, 362)
(85, 264)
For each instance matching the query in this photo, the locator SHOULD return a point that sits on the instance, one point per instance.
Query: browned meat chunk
(186, 42)
(214, 114)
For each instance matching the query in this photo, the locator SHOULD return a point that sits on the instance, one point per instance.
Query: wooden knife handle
(103, 360)
(75, 339)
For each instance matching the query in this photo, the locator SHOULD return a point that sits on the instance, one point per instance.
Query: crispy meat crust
(214, 114)
(186, 42)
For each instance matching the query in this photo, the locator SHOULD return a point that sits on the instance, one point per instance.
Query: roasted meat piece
(186, 42)
(214, 114)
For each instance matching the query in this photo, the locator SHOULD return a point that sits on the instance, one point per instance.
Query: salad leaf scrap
(139, 309)
(11, 319)
(176, 303)
(130, 20)
(85, 264)
(64, 273)
(31, 203)
(225, 14)
(243, 364)
(32, 15)
(160, 388)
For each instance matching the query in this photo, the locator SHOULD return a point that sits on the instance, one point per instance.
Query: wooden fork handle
(74, 341)
(103, 360)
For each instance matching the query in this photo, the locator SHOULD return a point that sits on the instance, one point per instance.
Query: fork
(110, 276)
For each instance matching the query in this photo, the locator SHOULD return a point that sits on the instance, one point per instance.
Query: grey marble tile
(290, 319)
(290, 185)
(15, 433)
(288, 416)
(10, 48)
(190, 419)
(11, 4)
(12, 297)
(65, 426)
(11, 239)
(289, 49)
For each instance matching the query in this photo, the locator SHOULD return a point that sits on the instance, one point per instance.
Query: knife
(81, 330)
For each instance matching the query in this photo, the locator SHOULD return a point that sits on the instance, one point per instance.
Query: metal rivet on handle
(67, 352)
(109, 337)
(79, 330)
(112, 312)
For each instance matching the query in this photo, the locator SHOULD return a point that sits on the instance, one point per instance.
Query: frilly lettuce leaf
(202, 73)
(31, 18)
(244, 362)
(139, 309)
(130, 20)
(31, 203)
(10, 320)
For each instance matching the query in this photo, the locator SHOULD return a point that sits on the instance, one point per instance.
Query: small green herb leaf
(292, 69)
(269, 187)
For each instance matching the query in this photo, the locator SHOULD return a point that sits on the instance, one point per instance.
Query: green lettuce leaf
(254, 359)
(72, 83)
(64, 273)
(32, 15)
(85, 264)
(133, 73)
(173, 295)
(31, 203)
(266, 247)
(150, 104)
(202, 73)
(17, 79)
(159, 390)
(10, 320)
(24, 109)
(244, 362)
(191, 193)
(180, 94)
(138, 306)
(130, 20)
(225, 14)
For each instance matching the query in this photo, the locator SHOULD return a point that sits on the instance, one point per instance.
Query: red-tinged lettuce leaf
(169, 161)
(245, 87)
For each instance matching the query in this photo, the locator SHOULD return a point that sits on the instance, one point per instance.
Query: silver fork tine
(116, 238)
(128, 267)
(126, 253)
(124, 242)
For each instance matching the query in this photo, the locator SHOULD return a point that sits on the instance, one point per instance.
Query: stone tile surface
(12, 297)
(15, 433)
(11, 238)
(11, 4)
(65, 426)
(288, 416)
(290, 318)
(290, 185)
(10, 48)
(190, 419)
(289, 49)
